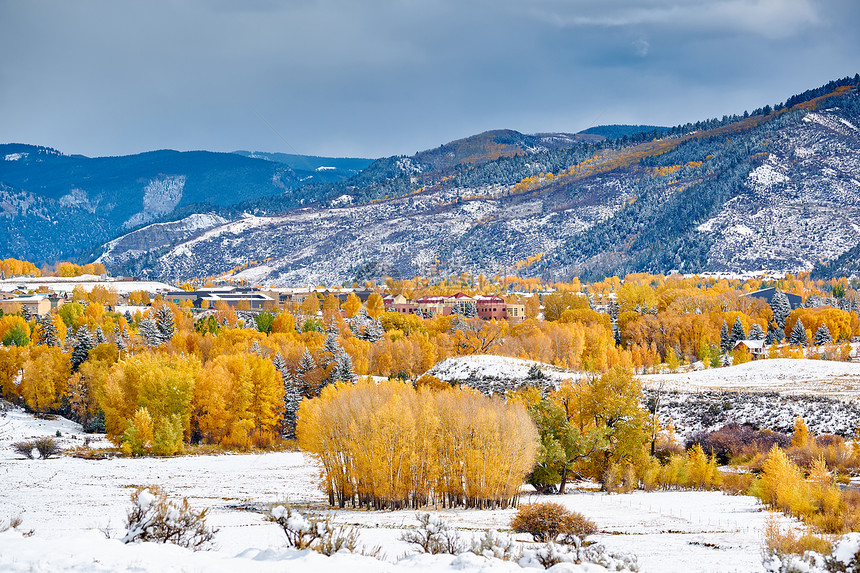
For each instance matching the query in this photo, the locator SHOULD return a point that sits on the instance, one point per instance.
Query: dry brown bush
(552, 522)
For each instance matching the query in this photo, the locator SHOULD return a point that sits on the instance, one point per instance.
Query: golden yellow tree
(44, 378)
(351, 305)
(375, 305)
(163, 384)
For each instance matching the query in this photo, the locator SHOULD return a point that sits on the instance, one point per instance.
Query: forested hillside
(773, 189)
(55, 206)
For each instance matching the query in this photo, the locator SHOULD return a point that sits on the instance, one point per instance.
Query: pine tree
(255, 348)
(779, 335)
(100, 336)
(150, 332)
(822, 335)
(330, 348)
(83, 344)
(292, 400)
(26, 313)
(279, 362)
(738, 332)
(781, 308)
(165, 324)
(724, 338)
(128, 318)
(306, 365)
(798, 333)
(343, 370)
(756, 332)
(48, 331)
(119, 341)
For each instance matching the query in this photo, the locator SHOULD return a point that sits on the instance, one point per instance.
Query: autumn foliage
(388, 445)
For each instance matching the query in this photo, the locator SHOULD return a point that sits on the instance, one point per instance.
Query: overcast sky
(373, 78)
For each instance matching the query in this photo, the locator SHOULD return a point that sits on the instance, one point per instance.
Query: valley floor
(71, 503)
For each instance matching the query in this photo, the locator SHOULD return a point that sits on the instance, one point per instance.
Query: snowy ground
(70, 503)
(782, 375)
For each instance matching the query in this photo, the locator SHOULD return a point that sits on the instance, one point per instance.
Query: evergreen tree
(149, 330)
(48, 334)
(165, 324)
(781, 308)
(100, 336)
(822, 335)
(292, 400)
(128, 318)
(343, 370)
(756, 332)
(306, 365)
(738, 333)
(724, 338)
(119, 341)
(798, 333)
(26, 313)
(83, 344)
(279, 362)
(330, 348)
(779, 335)
(813, 301)
(255, 348)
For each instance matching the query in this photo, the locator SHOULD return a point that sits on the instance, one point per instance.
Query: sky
(374, 78)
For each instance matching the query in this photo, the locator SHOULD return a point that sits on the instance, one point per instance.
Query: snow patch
(325, 168)
(160, 196)
(783, 375)
(766, 176)
(16, 156)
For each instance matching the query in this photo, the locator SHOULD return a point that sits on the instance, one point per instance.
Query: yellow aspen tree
(351, 305)
(43, 379)
(375, 305)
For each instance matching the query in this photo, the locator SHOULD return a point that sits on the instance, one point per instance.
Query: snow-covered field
(782, 375)
(73, 504)
(490, 366)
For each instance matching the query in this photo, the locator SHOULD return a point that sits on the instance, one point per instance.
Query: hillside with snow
(734, 196)
(781, 375)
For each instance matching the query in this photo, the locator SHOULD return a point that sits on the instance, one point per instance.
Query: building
(256, 300)
(766, 294)
(36, 304)
(756, 348)
(491, 307)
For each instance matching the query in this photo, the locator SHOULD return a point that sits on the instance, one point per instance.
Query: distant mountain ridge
(55, 206)
(773, 189)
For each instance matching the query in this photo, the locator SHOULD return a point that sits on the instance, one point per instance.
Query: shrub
(45, 447)
(24, 448)
(550, 554)
(552, 522)
(734, 440)
(497, 545)
(153, 517)
(434, 536)
(313, 532)
(783, 542)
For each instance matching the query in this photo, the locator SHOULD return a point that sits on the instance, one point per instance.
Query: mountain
(312, 167)
(57, 206)
(774, 189)
(619, 131)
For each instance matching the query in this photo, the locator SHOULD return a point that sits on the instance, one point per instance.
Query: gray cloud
(395, 76)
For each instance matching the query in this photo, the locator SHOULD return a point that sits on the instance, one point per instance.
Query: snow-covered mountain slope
(152, 237)
(778, 191)
(800, 206)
